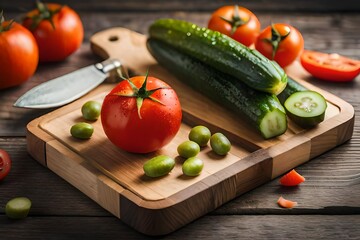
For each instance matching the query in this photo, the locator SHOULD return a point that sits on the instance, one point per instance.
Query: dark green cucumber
(263, 110)
(306, 108)
(291, 87)
(221, 52)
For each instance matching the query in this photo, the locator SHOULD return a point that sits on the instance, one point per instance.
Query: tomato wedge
(331, 67)
(292, 178)
(282, 202)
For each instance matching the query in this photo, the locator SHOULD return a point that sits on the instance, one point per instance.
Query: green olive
(220, 144)
(192, 166)
(18, 208)
(82, 130)
(200, 135)
(158, 166)
(188, 149)
(91, 110)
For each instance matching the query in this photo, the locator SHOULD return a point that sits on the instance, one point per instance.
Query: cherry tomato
(5, 164)
(58, 30)
(331, 67)
(237, 22)
(141, 114)
(19, 54)
(280, 42)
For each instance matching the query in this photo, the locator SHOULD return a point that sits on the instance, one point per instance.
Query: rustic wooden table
(329, 200)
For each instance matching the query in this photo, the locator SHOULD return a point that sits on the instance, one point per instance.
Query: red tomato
(292, 178)
(58, 30)
(331, 67)
(141, 115)
(5, 164)
(237, 22)
(19, 54)
(280, 42)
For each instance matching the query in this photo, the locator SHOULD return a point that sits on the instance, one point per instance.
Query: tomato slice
(330, 67)
(5, 164)
(282, 202)
(292, 178)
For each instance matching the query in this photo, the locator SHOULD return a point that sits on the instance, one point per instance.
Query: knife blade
(67, 88)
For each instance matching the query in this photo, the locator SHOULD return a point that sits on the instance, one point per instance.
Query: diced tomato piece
(282, 202)
(292, 178)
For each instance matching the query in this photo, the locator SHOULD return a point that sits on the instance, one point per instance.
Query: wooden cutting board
(115, 179)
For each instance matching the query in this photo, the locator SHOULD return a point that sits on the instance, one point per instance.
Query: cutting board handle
(123, 44)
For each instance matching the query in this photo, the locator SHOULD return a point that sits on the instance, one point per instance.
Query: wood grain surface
(329, 205)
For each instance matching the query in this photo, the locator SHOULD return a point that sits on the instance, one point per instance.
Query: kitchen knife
(67, 88)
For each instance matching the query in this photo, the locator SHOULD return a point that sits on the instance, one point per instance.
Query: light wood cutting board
(115, 179)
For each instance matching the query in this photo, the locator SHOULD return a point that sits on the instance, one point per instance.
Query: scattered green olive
(220, 144)
(91, 110)
(82, 130)
(192, 166)
(200, 135)
(188, 149)
(18, 208)
(158, 166)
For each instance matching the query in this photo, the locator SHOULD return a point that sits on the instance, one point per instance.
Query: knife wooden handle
(124, 45)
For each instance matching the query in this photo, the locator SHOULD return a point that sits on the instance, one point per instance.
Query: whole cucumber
(221, 52)
(262, 109)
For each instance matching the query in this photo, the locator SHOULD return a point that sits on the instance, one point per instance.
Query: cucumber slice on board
(306, 108)
(291, 87)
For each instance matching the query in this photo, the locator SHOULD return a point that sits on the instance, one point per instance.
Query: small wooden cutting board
(115, 179)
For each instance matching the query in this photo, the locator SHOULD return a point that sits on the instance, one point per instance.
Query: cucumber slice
(18, 207)
(291, 87)
(306, 108)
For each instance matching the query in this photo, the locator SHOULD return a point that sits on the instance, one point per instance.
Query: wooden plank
(194, 5)
(208, 227)
(83, 176)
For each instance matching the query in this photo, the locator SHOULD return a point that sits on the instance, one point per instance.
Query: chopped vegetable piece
(284, 203)
(292, 178)
(330, 67)
(306, 108)
(291, 87)
(18, 208)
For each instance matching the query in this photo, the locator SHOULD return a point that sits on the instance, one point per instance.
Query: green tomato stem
(236, 21)
(276, 39)
(141, 93)
(44, 14)
(2, 20)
